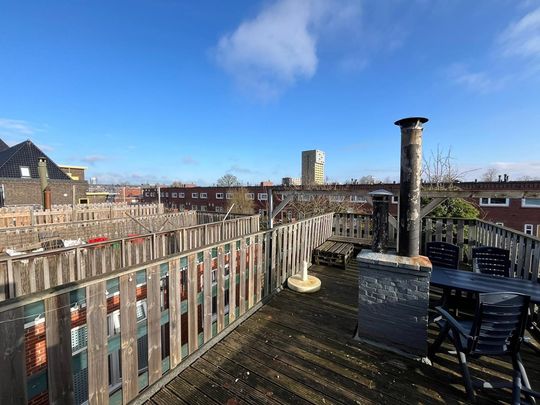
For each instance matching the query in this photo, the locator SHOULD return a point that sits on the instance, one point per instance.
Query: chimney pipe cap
(411, 122)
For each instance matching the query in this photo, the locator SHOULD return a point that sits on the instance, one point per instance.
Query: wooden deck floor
(298, 350)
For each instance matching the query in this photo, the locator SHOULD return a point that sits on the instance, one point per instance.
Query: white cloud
(93, 159)
(15, 129)
(516, 50)
(189, 160)
(522, 38)
(278, 47)
(481, 82)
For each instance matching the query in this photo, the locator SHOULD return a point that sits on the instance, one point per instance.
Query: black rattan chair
(491, 260)
(497, 330)
(443, 254)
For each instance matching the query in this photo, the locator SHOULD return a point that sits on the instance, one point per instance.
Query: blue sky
(162, 90)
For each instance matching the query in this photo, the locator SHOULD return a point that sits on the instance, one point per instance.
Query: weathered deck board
(299, 349)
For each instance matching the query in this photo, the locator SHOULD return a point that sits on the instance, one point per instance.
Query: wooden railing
(358, 228)
(14, 217)
(29, 238)
(465, 233)
(143, 323)
(34, 272)
(469, 233)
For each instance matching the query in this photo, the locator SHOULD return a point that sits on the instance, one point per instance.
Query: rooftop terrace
(299, 349)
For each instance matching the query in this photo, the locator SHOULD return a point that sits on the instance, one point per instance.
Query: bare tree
(228, 180)
(327, 200)
(490, 174)
(240, 202)
(439, 170)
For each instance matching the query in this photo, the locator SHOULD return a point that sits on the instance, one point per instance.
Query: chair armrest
(454, 324)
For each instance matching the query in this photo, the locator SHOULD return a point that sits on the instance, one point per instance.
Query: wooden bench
(333, 253)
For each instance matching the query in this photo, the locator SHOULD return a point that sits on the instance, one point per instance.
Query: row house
(213, 199)
(521, 214)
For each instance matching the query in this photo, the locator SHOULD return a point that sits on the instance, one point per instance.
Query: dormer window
(25, 171)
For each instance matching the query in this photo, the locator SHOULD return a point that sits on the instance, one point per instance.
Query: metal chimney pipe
(381, 200)
(42, 171)
(410, 185)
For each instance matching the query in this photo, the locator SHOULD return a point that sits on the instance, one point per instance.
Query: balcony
(211, 322)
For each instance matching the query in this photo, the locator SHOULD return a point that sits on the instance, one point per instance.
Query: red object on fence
(136, 241)
(96, 240)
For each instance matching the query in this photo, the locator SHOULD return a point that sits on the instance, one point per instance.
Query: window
(219, 209)
(219, 196)
(337, 198)
(181, 195)
(25, 171)
(228, 196)
(203, 207)
(141, 310)
(163, 193)
(113, 323)
(204, 195)
(499, 223)
(250, 196)
(79, 338)
(146, 194)
(528, 229)
(153, 194)
(530, 202)
(194, 195)
(194, 207)
(494, 202)
(395, 199)
(262, 196)
(358, 199)
(174, 195)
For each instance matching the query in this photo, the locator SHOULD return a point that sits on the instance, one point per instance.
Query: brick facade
(28, 191)
(35, 348)
(393, 299)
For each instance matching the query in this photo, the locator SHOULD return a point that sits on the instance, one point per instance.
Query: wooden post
(242, 270)
(232, 283)
(128, 336)
(220, 289)
(251, 272)
(96, 319)
(193, 324)
(207, 291)
(58, 337)
(175, 313)
(12, 348)
(153, 300)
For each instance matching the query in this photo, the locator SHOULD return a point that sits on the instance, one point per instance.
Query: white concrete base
(296, 283)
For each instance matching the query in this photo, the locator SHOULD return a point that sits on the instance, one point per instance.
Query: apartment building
(312, 167)
(214, 199)
(521, 214)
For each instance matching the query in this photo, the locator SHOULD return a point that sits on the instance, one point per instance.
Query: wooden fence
(106, 339)
(23, 237)
(13, 217)
(358, 228)
(469, 233)
(34, 272)
(465, 233)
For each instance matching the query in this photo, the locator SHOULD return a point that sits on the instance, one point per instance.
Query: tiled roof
(26, 154)
(3, 145)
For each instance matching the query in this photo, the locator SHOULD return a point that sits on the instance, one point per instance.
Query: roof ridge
(20, 145)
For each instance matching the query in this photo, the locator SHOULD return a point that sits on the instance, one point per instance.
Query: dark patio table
(483, 283)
